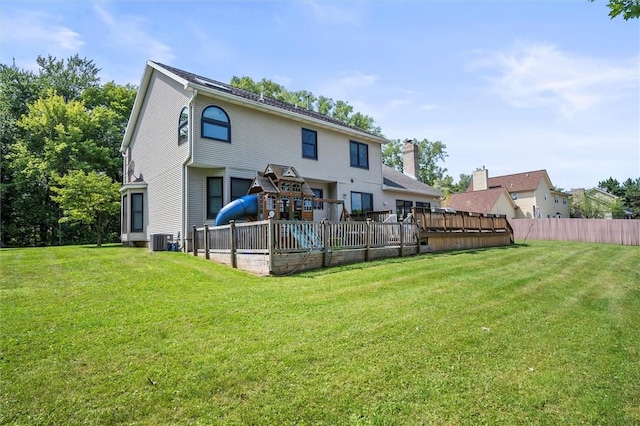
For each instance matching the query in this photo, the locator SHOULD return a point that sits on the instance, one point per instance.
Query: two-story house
(194, 144)
(597, 203)
(519, 195)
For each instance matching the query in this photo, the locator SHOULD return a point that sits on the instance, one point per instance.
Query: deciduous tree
(340, 110)
(430, 155)
(58, 120)
(89, 198)
(627, 8)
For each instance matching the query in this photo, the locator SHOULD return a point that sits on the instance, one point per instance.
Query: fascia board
(150, 67)
(409, 191)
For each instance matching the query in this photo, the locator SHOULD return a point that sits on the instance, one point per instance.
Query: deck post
(401, 239)
(270, 243)
(416, 229)
(368, 240)
(325, 242)
(232, 235)
(206, 241)
(195, 241)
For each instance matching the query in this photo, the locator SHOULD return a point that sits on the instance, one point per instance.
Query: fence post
(401, 239)
(326, 244)
(416, 229)
(368, 240)
(232, 231)
(206, 241)
(195, 241)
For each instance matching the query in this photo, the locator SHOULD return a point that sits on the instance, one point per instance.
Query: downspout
(185, 193)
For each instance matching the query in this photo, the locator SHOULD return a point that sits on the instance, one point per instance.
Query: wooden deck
(279, 247)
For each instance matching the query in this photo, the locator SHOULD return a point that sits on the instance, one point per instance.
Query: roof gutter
(187, 160)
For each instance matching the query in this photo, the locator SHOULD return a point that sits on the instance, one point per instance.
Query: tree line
(627, 204)
(61, 131)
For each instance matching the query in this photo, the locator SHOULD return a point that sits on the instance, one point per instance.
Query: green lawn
(543, 333)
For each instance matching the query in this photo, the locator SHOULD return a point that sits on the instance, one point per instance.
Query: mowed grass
(542, 333)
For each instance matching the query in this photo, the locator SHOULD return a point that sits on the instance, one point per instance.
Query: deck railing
(436, 221)
(282, 246)
(283, 236)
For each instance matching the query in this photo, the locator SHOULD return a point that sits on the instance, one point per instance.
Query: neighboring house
(597, 203)
(532, 195)
(493, 200)
(194, 144)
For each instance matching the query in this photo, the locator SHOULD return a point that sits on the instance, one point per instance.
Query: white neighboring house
(518, 196)
(194, 144)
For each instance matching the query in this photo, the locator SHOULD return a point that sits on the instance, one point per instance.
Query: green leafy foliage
(340, 110)
(628, 192)
(52, 122)
(627, 8)
(430, 155)
(92, 198)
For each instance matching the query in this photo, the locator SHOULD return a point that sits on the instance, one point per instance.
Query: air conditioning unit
(159, 242)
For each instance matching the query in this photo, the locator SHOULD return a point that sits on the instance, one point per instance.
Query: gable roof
(481, 201)
(395, 180)
(232, 94)
(526, 181)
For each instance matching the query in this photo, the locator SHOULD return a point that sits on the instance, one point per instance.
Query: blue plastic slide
(239, 208)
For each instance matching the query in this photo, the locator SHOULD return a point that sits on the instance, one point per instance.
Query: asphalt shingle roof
(395, 179)
(477, 201)
(527, 181)
(227, 88)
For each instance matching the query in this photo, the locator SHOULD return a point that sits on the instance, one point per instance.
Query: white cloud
(38, 28)
(334, 12)
(541, 75)
(130, 33)
(347, 87)
(428, 107)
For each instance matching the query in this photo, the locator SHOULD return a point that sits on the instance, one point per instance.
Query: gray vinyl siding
(196, 205)
(259, 138)
(157, 156)
(197, 187)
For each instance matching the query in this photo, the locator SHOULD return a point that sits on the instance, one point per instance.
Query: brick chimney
(480, 179)
(410, 165)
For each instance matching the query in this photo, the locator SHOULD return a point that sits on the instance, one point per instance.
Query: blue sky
(510, 85)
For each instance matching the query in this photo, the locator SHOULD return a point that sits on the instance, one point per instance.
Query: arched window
(183, 126)
(215, 124)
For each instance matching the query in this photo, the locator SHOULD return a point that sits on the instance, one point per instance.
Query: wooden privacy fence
(609, 231)
(280, 246)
